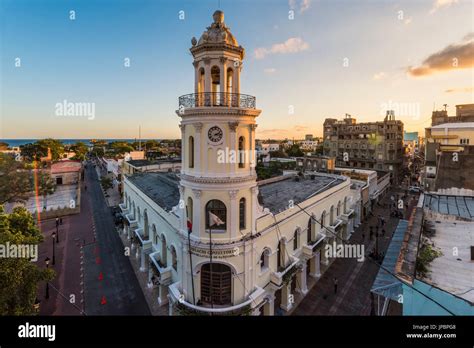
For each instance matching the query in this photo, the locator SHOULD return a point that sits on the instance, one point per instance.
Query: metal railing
(217, 99)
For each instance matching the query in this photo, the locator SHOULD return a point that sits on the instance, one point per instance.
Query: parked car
(414, 189)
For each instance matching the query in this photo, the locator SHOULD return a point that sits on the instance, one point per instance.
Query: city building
(371, 145)
(464, 113)
(435, 264)
(316, 163)
(411, 142)
(308, 145)
(211, 239)
(66, 172)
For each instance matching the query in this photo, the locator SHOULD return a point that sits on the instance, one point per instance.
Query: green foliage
(3, 145)
(33, 151)
(425, 256)
(120, 147)
(15, 182)
(295, 151)
(56, 147)
(80, 149)
(106, 183)
(19, 277)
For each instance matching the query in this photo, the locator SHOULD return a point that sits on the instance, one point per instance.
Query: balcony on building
(141, 238)
(310, 249)
(184, 307)
(285, 271)
(216, 99)
(161, 272)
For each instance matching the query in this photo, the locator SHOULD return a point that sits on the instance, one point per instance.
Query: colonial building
(371, 145)
(211, 238)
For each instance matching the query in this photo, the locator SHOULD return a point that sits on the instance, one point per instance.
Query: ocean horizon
(20, 142)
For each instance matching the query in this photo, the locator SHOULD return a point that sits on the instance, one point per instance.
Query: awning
(385, 284)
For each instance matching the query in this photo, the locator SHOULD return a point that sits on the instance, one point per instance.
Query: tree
(15, 180)
(19, 277)
(121, 147)
(106, 183)
(46, 186)
(295, 151)
(56, 147)
(80, 150)
(3, 145)
(33, 151)
(278, 154)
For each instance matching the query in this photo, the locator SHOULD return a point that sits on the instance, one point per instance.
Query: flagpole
(210, 259)
(190, 255)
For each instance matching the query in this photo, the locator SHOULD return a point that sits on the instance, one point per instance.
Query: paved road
(111, 287)
(355, 279)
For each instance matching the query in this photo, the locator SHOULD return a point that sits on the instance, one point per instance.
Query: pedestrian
(57, 222)
(61, 221)
(335, 285)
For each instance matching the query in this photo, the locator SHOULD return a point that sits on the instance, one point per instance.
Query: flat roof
(66, 167)
(454, 125)
(452, 273)
(277, 195)
(145, 162)
(462, 206)
(162, 188)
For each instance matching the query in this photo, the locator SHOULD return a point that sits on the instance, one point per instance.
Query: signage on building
(216, 253)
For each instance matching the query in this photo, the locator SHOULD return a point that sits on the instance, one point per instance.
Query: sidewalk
(112, 196)
(355, 279)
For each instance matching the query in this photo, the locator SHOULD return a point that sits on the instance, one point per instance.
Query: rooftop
(162, 188)
(65, 167)
(452, 273)
(462, 206)
(144, 162)
(454, 125)
(276, 195)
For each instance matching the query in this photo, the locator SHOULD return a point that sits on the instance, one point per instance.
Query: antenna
(139, 138)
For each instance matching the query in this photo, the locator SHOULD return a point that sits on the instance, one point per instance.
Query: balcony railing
(217, 99)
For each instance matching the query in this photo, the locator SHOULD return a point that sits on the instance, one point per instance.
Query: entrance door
(59, 180)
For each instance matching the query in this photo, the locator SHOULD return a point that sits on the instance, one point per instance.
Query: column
(301, 285)
(252, 157)
(223, 80)
(287, 298)
(196, 76)
(254, 208)
(184, 146)
(162, 294)
(182, 205)
(233, 146)
(234, 213)
(197, 211)
(197, 148)
(142, 259)
(236, 81)
(269, 307)
(315, 266)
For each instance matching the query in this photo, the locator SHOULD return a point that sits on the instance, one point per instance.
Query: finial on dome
(218, 17)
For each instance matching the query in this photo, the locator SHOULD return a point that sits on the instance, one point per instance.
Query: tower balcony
(217, 99)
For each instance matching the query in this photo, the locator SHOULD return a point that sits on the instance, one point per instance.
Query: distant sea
(19, 142)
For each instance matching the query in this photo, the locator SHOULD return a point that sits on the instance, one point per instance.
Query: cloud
(453, 57)
(439, 4)
(302, 5)
(460, 90)
(292, 45)
(269, 70)
(379, 76)
(280, 133)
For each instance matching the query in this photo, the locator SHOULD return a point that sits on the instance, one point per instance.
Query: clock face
(215, 134)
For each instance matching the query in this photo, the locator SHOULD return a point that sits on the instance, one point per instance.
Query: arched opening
(145, 223)
(218, 209)
(134, 212)
(155, 235)
(241, 152)
(281, 254)
(331, 215)
(216, 85)
(323, 219)
(189, 214)
(265, 260)
(295, 240)
(174, 258)
(216, 284)
(139, 215)
(229, 87)
(191, 152)
(338, 211)
(201, 81)
(242, 214)
(163, 253)
(309, 232)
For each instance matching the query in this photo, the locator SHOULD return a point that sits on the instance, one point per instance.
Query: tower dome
(218, 32)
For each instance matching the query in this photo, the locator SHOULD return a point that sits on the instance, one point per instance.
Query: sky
(306, 60)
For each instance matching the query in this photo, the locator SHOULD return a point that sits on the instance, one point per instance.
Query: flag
(214, 220)
(190, 226)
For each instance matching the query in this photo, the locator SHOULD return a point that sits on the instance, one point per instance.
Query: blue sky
(302, 64)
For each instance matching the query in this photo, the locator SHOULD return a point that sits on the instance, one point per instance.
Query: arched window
(155, 235)
(145, 223)
(281, 254)
(295, 240)
(134, 212)
(323, 219)
(139, 215)
(191, 152)
(265, 260)
(331, 215)
(241, 152)
(309, 232)
(219, 209)
(221, 291)
(338, 211)
(164, 252)
(216, 85)
(189, 210)
(174, 258)
(242, 213)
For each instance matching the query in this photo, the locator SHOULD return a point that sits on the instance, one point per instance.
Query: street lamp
(46, 260)
(54, 258)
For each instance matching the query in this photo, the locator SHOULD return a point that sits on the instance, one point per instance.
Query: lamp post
(54, 258)
(46, 260)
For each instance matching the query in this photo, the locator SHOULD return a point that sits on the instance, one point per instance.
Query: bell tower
(218, 141)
